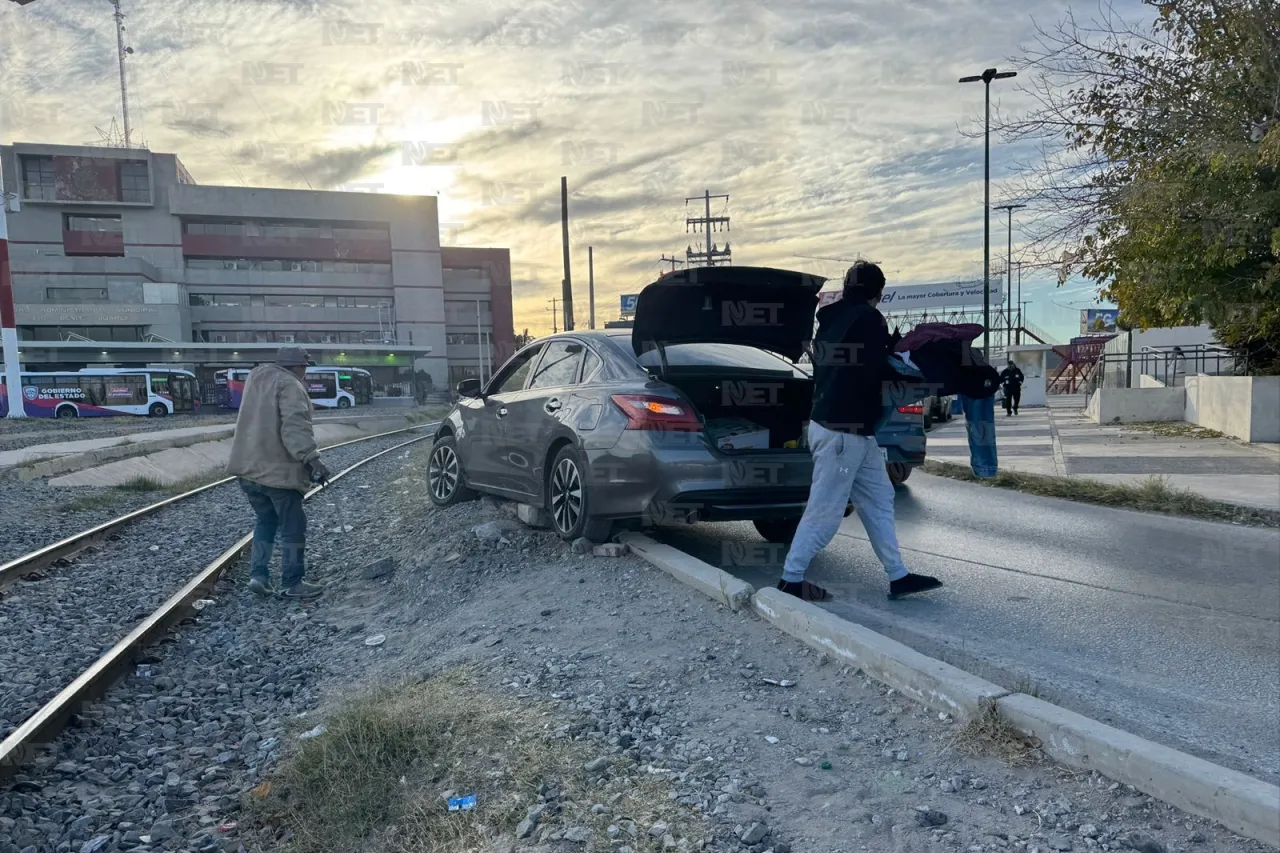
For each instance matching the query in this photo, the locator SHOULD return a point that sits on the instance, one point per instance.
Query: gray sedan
(696, 413)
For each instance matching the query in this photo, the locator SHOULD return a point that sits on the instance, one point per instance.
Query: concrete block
(931, 682)
(704, 577)
(533, 516)
(1239, 802)
(611, 549)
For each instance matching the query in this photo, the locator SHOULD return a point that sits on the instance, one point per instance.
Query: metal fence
(1169, 365)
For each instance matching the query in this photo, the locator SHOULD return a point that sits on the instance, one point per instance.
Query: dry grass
(104, 499)
(379, 777)
(1173, 429)
(988, 735)
(1154, 494)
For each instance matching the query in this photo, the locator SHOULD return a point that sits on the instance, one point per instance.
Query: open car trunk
(749, 413)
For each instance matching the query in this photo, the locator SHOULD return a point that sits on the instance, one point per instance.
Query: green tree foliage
(1162, 172)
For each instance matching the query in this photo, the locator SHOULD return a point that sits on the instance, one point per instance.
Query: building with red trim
(122, 247)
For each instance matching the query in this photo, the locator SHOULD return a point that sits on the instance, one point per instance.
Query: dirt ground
(766, 745)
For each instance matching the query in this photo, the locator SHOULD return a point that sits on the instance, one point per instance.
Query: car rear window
(718, 355)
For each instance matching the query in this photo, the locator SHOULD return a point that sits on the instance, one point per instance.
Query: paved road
(1165, 627)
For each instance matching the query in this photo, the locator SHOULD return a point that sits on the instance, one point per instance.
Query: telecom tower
(709, 256)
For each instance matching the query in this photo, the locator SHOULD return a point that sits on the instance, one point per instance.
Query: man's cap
(293, 357)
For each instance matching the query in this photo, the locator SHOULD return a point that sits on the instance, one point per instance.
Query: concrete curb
(1239, 802)
(93, 458)
(76, 461)
(930, 682)
(704, 577)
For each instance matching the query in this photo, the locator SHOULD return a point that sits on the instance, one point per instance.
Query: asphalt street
(1165, 627)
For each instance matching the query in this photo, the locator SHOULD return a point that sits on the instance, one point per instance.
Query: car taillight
(915, 409)
(658, 413)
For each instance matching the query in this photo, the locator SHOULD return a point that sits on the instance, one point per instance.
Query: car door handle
(502, 413)
(553, 405)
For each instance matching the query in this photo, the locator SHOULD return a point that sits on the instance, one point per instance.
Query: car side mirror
(469, 388)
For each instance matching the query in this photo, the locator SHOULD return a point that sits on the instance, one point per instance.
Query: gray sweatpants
(846, 468)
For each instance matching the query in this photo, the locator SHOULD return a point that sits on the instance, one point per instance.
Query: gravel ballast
(767, 745)
(54, 627)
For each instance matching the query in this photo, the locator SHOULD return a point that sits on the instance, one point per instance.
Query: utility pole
(555, 329)
(591, 285)
(673, 261)
(709, 224)
(8, 323)
(566, 288)
(986, 77)
(1008, 262)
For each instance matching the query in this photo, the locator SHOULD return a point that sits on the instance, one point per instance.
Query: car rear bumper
(669, 477)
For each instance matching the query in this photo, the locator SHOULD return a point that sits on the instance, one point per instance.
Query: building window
(101, 224)
(222, 229)
(37, 178)
(270, 265)
(135, 185)
(471, 339)
(200, 299)
(117, 334)
(75, 294)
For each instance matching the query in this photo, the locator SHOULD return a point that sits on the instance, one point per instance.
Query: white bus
(104, 392)
(328, 387)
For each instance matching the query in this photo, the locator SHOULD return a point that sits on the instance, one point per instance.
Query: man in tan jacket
(274, 454)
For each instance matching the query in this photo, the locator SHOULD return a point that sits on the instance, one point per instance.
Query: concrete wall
(1136, 405)
(1246, 407)
(1145, 381)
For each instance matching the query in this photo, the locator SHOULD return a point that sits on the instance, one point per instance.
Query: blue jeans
(980, 424)
(846, 468)
(278, 511)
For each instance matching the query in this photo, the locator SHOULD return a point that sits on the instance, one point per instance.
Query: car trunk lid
(771, 309)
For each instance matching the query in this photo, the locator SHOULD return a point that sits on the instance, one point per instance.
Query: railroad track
(26, 741)
(42, 557)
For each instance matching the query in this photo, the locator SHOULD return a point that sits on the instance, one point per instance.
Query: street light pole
(1008, 299)
(985, 78)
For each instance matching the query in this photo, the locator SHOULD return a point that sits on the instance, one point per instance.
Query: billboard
(629, 303)
(1099, 321)
(921, 297)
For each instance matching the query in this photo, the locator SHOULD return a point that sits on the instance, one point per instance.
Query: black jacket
(955, 367)
(1011, 377)
(850, 364)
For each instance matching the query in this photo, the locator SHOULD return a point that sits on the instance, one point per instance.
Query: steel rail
(40, 558)
(36, 733)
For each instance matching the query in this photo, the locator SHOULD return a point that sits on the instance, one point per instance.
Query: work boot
(261, 587)
(302, 591)
(912, 584)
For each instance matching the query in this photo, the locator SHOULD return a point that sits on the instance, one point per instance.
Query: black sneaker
(912, 584)
(803, 590)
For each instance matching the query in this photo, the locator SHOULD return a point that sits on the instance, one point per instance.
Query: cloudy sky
(833, 125)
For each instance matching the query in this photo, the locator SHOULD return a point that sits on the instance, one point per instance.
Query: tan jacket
(274, 437)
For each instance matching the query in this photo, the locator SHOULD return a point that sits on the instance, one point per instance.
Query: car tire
(780, 531)
(898, 472)
(446, 479)
(344, 403)
(157, 410)
(66, 412)
(568, 500)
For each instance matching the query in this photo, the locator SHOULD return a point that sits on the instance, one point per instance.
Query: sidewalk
(1058, 440)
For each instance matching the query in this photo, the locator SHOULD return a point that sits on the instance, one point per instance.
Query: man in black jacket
(850, 366)
(1011, 378)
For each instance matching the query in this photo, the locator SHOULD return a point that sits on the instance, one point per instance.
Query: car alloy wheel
(443, 473)
(566, 496)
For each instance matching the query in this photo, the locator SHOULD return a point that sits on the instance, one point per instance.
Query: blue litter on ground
(465, 804)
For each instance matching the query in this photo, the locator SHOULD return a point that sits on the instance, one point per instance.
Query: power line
(708, 224)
